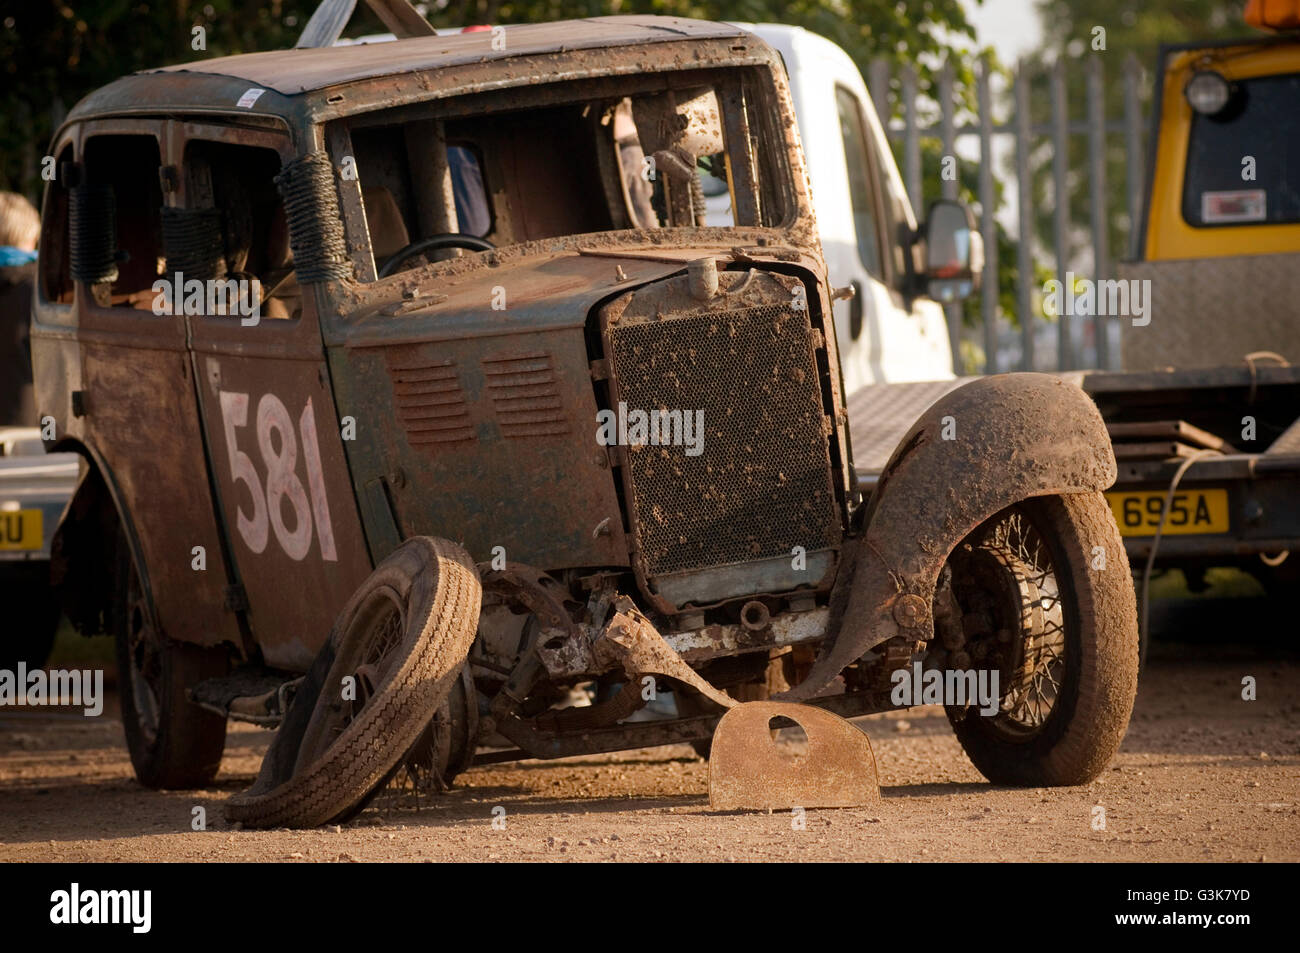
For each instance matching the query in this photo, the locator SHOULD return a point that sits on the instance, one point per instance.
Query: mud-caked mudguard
(979, 449)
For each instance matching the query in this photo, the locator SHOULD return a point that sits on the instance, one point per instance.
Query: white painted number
(280, 455)
(316, 482)
(234, 413)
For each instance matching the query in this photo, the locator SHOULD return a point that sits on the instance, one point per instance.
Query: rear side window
(861, 193)
(473, 212)
(1258, 130)
(115, 220)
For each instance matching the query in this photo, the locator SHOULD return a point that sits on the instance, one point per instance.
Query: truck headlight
(1208, 92)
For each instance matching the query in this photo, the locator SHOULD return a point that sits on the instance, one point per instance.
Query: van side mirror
(953, 252)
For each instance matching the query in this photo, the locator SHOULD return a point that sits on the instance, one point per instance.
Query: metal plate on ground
(750, 771)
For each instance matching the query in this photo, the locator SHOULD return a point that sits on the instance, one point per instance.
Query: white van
(863, 216)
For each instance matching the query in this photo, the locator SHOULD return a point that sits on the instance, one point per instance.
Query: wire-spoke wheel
(173, 742)
(1047, 603)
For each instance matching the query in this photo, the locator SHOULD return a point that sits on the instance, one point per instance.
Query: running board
(256, 696)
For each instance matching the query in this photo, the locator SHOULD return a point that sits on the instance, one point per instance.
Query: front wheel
(1047, 603)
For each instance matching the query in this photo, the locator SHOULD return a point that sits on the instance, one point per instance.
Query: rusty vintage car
(491, 313)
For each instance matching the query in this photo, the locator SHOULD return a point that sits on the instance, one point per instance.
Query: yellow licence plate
(1193, 511)
(22, 529)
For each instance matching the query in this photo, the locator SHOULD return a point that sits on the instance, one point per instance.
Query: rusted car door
(268, 414)
(132, 395)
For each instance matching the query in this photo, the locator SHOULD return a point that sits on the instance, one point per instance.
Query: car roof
(315, 84)
(290, 72)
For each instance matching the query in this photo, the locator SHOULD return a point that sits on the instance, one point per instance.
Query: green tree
(54, 53)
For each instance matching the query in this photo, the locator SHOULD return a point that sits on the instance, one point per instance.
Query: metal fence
(1027, 137)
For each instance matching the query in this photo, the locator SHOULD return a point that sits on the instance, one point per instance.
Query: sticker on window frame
(250, 96)
(1245, 205)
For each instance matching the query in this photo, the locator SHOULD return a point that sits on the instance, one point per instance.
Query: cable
(1250, 360)
(1144, 634)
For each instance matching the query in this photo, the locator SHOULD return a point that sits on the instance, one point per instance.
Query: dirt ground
(1202, 775)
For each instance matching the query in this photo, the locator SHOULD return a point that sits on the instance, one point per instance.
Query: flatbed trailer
(1218, 447)
(1226, 441)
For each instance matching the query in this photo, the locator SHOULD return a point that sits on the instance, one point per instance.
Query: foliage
(54, 54)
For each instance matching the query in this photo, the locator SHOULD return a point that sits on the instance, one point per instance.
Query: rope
(1250, 360)
(192, 242)
(311, 208)
(93, 233)
(1144, 633)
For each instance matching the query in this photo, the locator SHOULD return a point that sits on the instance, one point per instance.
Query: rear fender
(979, 449)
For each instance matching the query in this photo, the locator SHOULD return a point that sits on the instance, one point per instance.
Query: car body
(249, 469)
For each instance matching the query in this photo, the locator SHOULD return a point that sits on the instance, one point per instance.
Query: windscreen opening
(686, 154)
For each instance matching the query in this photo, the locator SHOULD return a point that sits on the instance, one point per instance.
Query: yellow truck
(1204, 415)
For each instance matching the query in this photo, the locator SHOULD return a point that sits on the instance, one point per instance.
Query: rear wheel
(1047, 602)
(173, 743)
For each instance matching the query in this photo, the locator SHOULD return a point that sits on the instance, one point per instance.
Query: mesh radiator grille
(762, 484)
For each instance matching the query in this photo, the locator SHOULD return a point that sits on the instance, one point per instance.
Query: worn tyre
(1081, 654)
(402, 639)
(173, 743)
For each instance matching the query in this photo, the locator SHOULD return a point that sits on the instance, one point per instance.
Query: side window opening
(862, 193)
(232, 228)
(417, 182)
(54, 260)
(115, 220)
(537, 169)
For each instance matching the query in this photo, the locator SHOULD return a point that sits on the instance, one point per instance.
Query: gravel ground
(1202, 775)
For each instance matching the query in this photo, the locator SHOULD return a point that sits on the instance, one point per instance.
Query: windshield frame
(765, 99)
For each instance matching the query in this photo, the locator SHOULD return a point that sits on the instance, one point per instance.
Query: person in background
(20, 229)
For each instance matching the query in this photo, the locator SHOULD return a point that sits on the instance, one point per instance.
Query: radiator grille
(762, 484)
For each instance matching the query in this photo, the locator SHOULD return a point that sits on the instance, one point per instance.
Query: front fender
(979, 449)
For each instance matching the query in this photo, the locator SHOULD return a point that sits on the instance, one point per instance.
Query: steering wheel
(433, 242)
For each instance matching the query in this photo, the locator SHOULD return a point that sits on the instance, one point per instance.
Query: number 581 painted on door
(281, 479)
